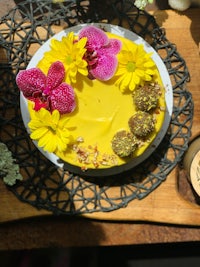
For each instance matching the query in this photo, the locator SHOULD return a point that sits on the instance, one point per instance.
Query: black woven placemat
(44, 185)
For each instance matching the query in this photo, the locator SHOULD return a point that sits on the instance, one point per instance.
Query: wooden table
(166, 215)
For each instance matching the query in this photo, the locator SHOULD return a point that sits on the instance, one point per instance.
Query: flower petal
(113, 47)
(105, 68)
(63, 99)
(30, 81)
(39, 132)
(55, 75)
(96, 37)
(48, 142)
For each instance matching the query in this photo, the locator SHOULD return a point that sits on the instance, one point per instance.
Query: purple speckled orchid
(49, 92)
(101, 53)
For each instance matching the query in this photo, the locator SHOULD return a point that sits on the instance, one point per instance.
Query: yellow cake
(88, 136)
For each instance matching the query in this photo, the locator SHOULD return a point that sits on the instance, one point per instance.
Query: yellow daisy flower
(70, 52)
(135, 66)
(49, 129)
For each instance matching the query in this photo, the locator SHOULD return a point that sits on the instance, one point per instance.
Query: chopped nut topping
(80, 139)
(91, 155)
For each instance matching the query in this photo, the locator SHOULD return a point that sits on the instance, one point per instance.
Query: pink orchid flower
(101, 53)
(48, 91)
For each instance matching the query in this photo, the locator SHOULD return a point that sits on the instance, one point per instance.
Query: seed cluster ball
(124, 143)
(141, 124)
(146, 97)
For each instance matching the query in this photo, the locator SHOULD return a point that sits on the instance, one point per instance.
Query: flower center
(52, 128)
(130, 66)
(69, 59)
(91, 57)
(47, 90)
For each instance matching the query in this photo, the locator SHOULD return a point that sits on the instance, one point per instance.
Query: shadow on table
(51, 231)
(193, 29)
(162, 5)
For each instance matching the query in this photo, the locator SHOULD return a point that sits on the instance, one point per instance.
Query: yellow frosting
(102, 110)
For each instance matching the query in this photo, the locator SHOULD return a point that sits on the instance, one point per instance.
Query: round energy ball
(146, 97)
(124, 143)
(141, 124)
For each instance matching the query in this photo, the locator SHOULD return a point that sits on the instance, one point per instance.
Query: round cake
(96, 99)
